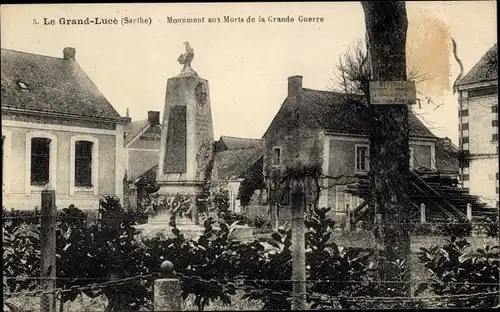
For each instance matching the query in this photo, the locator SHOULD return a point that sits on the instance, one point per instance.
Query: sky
(247, 64)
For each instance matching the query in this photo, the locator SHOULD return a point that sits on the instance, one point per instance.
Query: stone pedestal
(186, 150)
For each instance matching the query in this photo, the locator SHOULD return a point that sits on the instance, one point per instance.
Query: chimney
(154, 118)
(446, 144)
(69, 53)
(294, 85)
(127, 113)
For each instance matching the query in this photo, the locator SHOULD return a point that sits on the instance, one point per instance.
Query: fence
(168, 285)
(168, 292)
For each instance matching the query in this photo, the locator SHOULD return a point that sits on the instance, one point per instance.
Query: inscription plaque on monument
(175, 160)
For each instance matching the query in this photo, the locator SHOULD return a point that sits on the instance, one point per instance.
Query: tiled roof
(228, 163)
(235, 163)
(484, 70)
(238, 143)
(49, 84)
(148, 176)
(333, 112)
(446, 156)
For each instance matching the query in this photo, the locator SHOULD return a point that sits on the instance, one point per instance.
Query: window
(463, 113)
(494, 108)
(465, 163)
(362, 158)
(465, 177)
(83, 163)
(40, 161)
(494, 123)
(494, 137)
(465, 139)
(465, 126)
(276, 156)
(22, 85)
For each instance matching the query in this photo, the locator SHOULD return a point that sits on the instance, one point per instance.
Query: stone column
(186, 149)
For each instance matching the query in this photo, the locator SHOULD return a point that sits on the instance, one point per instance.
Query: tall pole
(298, 247)
(386, 26)
(48, 252)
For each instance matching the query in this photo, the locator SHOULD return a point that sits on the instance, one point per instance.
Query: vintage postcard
(250, 156)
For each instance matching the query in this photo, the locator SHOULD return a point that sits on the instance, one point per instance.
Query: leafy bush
(488, 226)
(21, 254)
(443, 227)
(456, 271)
(455, 227)
(258, 222)
(423, 229)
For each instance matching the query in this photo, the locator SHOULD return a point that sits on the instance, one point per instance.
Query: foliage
(21, 254)
(144, 191)
(214, 256)
(93, 251)
(105, 250)
(456, 271)
(489, 226)
(455, 227)
(443, 227)
(253, 181)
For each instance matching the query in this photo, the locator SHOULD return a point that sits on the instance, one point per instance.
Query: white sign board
(392, 92)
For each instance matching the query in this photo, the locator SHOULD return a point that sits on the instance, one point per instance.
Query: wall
(16, 197)
(233, 188)
(482, 179)
(295, 137)
(341, 167)
(480, 127)
(478, 124)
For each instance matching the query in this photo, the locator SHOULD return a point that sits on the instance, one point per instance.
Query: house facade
(238, 161)
(330, 131)
(142, 145)
(478, 128)
(58, 132)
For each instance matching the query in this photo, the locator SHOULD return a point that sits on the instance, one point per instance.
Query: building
(237, 161)
(328, 130)
(447, 163)
(478, 128)
(58, 131)
(142, 145)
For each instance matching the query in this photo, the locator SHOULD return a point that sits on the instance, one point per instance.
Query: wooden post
(298, 249)
(422, 213)
(348, 218)
(469, 212)
(167, 294)
(48, 246)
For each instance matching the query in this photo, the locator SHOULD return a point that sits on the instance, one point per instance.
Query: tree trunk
(386, 25)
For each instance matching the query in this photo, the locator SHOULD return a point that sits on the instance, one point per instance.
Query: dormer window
(22, 85)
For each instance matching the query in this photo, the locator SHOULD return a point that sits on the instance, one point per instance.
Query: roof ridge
(233, 137)
(31, 53)
(331, 92)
